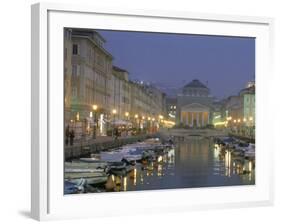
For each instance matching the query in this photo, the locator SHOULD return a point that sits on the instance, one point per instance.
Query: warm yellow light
(160, 117)
(91, 114)
(153, 119)
(71, 121)
(251, 118)
(95, 107)
(220, 123)
(127, 114)
(239, 120)
(230, 118)
(136, 116)
(114, 111)
(143, 117)
(77, 116)
(234, 121)
(149, 118)
(244, 119)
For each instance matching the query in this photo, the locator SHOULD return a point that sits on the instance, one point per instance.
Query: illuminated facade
(97, 94)
(194, 105)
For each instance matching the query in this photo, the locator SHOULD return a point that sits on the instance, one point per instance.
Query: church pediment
(195, 107)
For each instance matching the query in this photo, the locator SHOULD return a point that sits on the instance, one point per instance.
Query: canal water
(192, 163)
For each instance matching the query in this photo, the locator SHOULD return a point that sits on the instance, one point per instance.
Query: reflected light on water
(159, 170)
(250, 166)
(135, 176)
(227, 163)
(125, 183)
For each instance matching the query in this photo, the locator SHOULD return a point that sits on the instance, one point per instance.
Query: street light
(127, 115)
(114, 111)
(95, 107)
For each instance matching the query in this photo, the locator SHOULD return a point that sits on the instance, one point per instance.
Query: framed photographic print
(164, 111)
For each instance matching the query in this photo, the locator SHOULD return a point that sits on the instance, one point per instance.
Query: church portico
(194, 114)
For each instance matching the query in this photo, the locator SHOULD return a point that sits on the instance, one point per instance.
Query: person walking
(72, 136)
(67, 133)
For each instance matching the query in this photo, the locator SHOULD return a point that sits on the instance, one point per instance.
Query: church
(194, 105)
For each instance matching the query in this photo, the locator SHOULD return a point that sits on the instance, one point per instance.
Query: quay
(86, 148)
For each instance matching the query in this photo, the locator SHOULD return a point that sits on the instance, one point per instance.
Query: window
(74, 49)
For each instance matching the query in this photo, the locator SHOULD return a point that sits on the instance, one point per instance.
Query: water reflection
(192, 163)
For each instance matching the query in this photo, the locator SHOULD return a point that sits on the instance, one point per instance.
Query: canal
(196, 162)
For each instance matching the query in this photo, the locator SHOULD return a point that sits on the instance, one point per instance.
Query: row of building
(196, 107)
(99, 94)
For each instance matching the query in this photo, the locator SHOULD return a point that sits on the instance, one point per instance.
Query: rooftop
(195, 84)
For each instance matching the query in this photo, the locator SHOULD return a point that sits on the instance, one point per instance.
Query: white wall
(15, 110)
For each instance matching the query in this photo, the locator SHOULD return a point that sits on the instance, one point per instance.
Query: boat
(88, 177)
(250, 151)
(72, 188)
(94, 161)
(113, 156)
(85, 165)
(120, 168)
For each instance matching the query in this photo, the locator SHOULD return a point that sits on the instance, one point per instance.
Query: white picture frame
(48, 201)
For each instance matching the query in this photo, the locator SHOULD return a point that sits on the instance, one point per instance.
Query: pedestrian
(67, 133)
(72, 136)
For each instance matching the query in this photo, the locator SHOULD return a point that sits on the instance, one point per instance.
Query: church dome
(195, 84)
(196, 88)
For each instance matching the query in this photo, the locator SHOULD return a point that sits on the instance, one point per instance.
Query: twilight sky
(224, 64)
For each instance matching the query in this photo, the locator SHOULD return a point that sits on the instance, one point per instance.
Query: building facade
(97, 94)
(91, 68)
(194, 105)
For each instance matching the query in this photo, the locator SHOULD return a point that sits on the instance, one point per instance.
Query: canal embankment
(86, 148)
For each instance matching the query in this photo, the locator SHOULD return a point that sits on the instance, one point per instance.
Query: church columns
(195, 118)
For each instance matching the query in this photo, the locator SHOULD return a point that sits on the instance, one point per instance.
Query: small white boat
(89, 178)
(114, 156)
(94, 161)
(83, 170)
(85, 165)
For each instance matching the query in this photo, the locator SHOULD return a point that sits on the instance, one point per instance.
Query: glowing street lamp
(95, 107)
(127, 114)
(114, 112)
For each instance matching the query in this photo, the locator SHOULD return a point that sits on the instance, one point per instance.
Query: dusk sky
(224, 64)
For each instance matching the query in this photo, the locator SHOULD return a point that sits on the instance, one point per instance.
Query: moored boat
(89, 178)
